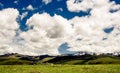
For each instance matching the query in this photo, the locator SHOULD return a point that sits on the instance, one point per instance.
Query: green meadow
(60, 68)
(60, 64)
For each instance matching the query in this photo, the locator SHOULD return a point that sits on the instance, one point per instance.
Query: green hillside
(16, 59)
(85, 60)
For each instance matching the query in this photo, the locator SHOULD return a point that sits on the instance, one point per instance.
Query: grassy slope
(13, 61)
(71, 60)
(86, 60)
(104, 60)
(60, 69)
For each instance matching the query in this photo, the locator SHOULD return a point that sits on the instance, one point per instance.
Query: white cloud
(23, 15)
(91, 29)
(76, 6)
(60, 9)
(8, 25)
(16, 1)
(49, 32)
(47, 1)
(30, 7)
(84, 5)
(57, 30)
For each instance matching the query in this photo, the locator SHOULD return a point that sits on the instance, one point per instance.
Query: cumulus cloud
(79, 5)
(30, 7)
(46, 36)
(84, 5)
(99, 32)
(80, 33)
(90, 29)
(8, 25)
(47, 1)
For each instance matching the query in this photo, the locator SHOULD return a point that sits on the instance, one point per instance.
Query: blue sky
(86, 25)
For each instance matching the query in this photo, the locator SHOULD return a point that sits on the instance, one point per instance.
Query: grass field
(59, 68)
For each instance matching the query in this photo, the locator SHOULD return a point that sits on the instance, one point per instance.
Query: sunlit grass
(60, 68)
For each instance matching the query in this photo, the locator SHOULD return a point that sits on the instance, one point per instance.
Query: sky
(54, 27)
